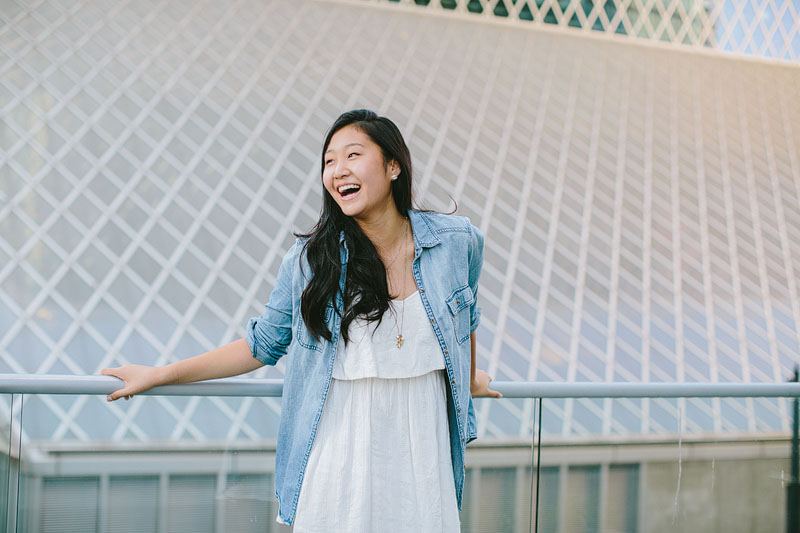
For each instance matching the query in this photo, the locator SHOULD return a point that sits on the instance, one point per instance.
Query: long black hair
(366, 292)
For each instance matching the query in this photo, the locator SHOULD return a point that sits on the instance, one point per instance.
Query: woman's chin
(351, 208)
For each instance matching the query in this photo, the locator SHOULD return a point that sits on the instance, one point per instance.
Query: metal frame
(54, 384)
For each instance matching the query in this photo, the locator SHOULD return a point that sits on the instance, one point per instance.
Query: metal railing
(63, 384)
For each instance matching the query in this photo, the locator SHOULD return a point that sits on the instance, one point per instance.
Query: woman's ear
(394, 167)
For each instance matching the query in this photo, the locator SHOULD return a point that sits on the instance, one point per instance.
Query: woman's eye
(352, 154)
(328, 161)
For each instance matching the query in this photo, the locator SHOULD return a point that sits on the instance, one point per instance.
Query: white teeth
(344, 188)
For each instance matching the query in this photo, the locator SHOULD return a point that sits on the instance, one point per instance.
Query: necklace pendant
(399, 341)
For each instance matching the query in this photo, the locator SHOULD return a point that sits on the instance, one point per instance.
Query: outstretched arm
(479, 380)
(268, 338)
(229, 360)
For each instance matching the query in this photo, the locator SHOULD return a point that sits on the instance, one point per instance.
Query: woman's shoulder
(444, 223)
(294, 257)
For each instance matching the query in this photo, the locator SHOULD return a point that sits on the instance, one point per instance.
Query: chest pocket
(304, 337)
(459, 303)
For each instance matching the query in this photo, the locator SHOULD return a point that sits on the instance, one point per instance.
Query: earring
(394, 178)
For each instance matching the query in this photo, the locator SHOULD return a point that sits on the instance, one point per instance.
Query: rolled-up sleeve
(270, 334)
(475, 266)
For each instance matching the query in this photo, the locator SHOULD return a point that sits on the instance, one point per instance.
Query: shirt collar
(424, 237)
(420, 225)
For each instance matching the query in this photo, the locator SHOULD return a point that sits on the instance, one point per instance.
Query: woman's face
(356, 175)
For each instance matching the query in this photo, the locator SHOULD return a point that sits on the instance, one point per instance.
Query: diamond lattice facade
(641, 205)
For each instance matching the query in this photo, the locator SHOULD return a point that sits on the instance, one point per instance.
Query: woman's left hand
(480, 386)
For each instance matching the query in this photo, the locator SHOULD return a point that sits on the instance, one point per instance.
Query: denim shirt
(448, 255)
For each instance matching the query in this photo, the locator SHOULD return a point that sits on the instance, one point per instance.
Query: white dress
(381, 456)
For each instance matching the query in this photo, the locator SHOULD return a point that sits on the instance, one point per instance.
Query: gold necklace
(403, 301)
(402, 315)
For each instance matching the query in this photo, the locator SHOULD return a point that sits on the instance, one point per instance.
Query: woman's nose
(340, 170)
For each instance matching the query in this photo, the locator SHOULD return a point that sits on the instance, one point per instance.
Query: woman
(376, 424)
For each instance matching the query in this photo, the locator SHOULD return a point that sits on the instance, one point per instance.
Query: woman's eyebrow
(345, 146)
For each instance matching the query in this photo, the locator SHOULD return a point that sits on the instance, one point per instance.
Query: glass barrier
(498, 487)
(664, 464)
(194, 464)
(206, 464)
(7, 451)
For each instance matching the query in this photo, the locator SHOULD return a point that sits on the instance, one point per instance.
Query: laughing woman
(376, 311)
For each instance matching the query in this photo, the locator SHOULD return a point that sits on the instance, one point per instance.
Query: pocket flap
(459, 299)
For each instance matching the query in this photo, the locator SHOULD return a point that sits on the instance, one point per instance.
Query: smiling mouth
(348, 191)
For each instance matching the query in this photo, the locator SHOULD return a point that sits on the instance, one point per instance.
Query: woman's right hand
(137, 378)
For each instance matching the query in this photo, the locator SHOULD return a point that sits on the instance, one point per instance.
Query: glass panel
(133, 503)
(66, 503)
(622, 485)
(188, 498)
(547, 505)
(497, 487)
(666, 472)
(666, 464)
(248, 501)
(151, 464)
(5, 456)
(171, 464)
(583, 488)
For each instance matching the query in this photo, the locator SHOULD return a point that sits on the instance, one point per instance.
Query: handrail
(103, 385)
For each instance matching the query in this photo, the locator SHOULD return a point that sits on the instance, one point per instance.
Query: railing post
(14, 462)
(793, 487)
(538, 469)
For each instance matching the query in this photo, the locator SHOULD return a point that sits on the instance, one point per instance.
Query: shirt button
(453, 381)
(421, 289)
(432, 321)
(445, 352)
(458, 302)
(463, 439)
(459, 409)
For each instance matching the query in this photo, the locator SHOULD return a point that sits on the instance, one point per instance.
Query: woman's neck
(384, 231)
